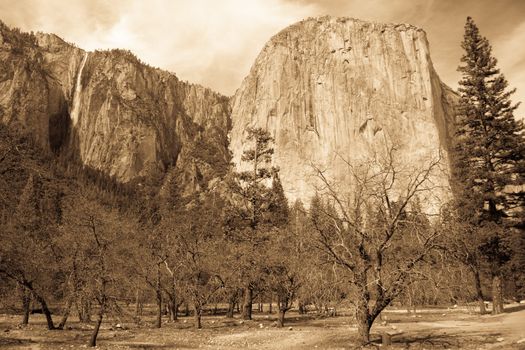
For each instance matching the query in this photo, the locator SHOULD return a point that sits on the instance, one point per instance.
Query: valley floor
(428, 329)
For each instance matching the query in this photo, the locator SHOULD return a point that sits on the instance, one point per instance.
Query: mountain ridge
(136, 120)
(148, 111)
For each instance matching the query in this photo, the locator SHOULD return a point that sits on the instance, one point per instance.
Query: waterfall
(78, 89)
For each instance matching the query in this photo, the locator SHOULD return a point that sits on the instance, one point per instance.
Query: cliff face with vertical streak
(332, 90)
(132, 120)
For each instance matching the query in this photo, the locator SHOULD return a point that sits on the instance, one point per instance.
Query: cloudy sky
(214, 42)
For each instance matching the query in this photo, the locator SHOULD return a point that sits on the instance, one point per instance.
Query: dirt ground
(427, 329)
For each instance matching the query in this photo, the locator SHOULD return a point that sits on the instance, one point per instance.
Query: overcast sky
(214, 42)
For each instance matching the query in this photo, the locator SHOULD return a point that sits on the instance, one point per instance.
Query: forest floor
(426, 329)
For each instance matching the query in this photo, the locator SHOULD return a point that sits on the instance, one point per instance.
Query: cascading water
(78, 89)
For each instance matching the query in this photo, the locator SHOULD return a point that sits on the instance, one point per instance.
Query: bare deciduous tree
(374, 229)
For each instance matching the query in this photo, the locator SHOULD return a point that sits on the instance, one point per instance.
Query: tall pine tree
(258, 203)
(488, 155)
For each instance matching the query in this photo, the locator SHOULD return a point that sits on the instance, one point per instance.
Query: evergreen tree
(258, 207)
(278, 204)
(489, 152)
(253, 180)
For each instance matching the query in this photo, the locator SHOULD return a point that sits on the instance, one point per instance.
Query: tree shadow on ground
(440, 339)
(147, 346)
(6, 341)
(514, 308)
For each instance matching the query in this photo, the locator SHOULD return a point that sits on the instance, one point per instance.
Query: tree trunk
(138, 303)
(67, 310)
(173, 309)
(301, 308)
(158, 321)
(280, 320)
(479, 292)
(363, 318)
(173, 299)
(26, 303)
(198, 313)
(47, 313)
(94, 335)
(282, 303)
(497, 295)
(186, 310)
(363, 327)
(229, 312)
(45, 310)
(84, 311)
(270, 307)
(158, 293)
(247, 303)
(231, 305)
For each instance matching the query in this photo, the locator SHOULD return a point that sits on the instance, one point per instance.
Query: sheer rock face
(30, 98)
(330, 89)
(133, 120)
(327, 89)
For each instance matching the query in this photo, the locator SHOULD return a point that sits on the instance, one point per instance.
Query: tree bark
(173, 309)
(65, 316)
(282, 303)
(26, 303)
(158, 293)
(198, 314)
(363, 326)
(479, 292)
(84, 311)
(173, 299)
(497, 294)
(229, 312)
(231, 304)
(301, 308)
(45, 310)
(247, 303)
(363, 318)
(280, 320)
(94, 335)
(138, 303)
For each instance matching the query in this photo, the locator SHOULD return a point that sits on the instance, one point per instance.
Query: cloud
(208, 42)
(214, 43)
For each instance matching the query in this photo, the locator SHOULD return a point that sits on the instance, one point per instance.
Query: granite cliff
(332, 90)
(326, 88)
(106, 108)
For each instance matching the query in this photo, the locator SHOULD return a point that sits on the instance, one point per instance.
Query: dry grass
(430, 329)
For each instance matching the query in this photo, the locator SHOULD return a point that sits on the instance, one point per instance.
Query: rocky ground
(427, 329)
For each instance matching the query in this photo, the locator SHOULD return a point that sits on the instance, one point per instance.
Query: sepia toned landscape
(343, 195)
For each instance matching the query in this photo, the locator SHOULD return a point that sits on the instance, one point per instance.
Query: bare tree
(29, 254)
(98, 232)
(466, 250)
(198, 238)
(374, 229)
